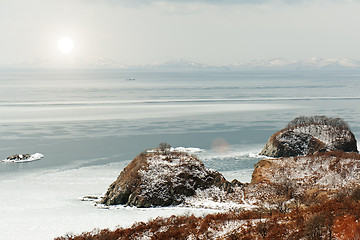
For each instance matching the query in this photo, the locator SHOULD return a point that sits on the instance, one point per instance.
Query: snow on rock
(306, 135)
(188, 150)
(162, 178)
(328, 172)
(179, 149)
(22, 158)
(217, 198)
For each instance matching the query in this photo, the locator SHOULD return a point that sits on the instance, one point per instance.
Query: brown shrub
(262, 228)
(314, 227)
(347, 228)
(356, 194)
(321, 220)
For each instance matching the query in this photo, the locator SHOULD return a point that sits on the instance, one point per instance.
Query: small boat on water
(21, 158)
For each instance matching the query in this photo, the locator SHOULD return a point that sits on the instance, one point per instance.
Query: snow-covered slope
(324, 170)
(303, 179)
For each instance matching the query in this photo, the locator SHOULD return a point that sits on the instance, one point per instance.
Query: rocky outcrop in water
(19, 157)
(22, 158)
(162, 178)
(307, 135)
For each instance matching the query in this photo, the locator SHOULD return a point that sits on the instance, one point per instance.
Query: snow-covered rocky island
(306, 135)
(309, 190)
(22, 158)
(164, 177)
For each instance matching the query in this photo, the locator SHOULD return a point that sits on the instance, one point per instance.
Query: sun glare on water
(65, 45)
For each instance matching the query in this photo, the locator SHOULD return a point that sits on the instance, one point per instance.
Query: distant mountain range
(60, 63)
(307, 63)
(274, 63)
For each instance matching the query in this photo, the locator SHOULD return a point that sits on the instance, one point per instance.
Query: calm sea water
(90, 124)
(81, 118)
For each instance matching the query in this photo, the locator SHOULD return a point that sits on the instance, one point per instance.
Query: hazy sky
(213, 31)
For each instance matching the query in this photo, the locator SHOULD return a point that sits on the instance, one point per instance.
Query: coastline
(65, 208)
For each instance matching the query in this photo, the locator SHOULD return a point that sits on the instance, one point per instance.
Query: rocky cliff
(328, 170)
(306, 135)
(162, 178)
(304, 180)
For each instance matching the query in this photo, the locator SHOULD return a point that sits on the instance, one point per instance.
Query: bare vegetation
(164, 147)
(318, 120)
(331, 219)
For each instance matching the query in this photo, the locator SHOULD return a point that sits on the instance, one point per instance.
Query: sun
(65, 45)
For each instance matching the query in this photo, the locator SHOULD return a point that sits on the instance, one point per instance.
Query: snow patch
(215, 198)
(163, 168)
(325, 172)
(324, 133)
(187, 150)
(179, 149)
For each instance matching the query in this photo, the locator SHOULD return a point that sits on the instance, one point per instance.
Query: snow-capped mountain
(331, 62)
(88, 63)
(273, 63)
(174, 64)
(305, 63)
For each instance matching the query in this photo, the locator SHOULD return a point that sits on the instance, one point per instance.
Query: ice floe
(21, 158)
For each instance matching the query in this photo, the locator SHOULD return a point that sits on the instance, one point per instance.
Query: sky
(206, 31)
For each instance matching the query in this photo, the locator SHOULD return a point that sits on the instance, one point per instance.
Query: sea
(89, 124)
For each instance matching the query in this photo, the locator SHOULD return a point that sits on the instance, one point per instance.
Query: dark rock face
(162, 179)
(313, 134)
(19, 157)
(290, 143)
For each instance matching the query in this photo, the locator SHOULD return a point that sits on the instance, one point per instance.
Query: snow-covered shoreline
(53, 205)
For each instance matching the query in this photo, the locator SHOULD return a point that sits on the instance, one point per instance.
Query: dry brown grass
(333, 218)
